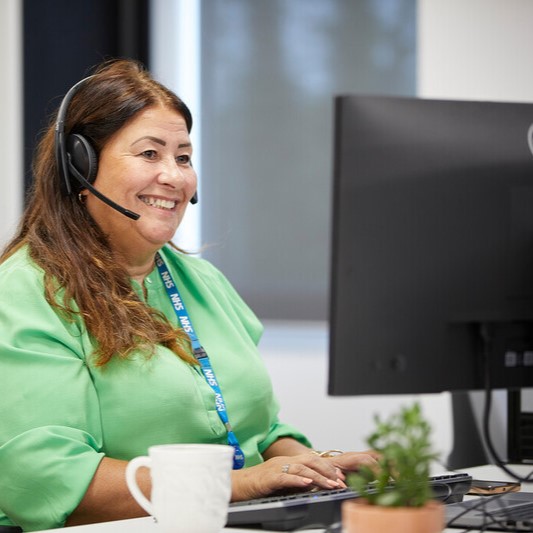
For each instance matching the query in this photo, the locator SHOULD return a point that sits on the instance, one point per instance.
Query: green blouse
(59, 415)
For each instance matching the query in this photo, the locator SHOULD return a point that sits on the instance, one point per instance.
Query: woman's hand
(297, 472)
(353, 461)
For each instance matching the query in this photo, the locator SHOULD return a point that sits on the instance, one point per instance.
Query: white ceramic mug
(191, 486)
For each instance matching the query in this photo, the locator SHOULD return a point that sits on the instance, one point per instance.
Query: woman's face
(146, 168)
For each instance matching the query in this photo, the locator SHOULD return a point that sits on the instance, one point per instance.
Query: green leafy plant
(402, 479)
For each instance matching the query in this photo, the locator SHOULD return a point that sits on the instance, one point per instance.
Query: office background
(268, 72)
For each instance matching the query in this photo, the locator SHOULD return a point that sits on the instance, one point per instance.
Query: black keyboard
(321, 509)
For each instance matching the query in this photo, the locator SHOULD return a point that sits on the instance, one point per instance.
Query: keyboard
(321, 509)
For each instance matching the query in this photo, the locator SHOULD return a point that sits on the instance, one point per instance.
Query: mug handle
(131, 470)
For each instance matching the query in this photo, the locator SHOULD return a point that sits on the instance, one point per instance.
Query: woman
(95, 366)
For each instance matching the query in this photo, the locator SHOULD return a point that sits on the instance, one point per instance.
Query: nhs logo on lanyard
(176, 302)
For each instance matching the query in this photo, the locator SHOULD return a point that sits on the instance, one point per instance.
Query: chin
(160, 241)
(159, 234)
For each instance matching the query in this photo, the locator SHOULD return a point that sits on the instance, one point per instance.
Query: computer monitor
(432, 246)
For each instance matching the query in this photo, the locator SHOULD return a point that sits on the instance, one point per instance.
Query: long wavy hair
(82, 276)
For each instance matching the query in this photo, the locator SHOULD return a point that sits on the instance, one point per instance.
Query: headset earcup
(83, 157)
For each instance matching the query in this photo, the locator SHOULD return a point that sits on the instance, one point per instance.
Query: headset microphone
(98, 194)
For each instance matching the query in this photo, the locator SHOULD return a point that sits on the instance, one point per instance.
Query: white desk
(147, 525)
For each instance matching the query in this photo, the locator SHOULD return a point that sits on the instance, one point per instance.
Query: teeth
(158, 202)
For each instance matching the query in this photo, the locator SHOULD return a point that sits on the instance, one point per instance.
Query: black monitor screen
(432, 246)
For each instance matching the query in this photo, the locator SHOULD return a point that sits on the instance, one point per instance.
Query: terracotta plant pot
(360, 517)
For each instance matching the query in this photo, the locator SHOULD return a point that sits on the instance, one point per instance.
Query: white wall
(11, 176)
(477, 50)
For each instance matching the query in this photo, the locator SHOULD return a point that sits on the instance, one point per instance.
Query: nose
(172, 174)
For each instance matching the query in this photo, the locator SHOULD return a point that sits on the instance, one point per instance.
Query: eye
(149, 154)
(184, 159)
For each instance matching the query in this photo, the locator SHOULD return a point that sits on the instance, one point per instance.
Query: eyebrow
(158, 141)
(155, 139)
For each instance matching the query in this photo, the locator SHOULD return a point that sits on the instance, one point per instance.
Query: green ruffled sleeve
(45, 473)
(279, 430)
(50, 429)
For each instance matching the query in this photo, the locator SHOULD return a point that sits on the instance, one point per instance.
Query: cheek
(121, 174)
(193, 180)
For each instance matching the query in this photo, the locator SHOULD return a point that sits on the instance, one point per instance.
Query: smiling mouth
(167, 205)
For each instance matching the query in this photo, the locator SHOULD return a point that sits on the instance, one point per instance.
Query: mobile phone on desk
(481, 487)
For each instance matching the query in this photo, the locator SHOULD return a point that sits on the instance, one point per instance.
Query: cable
(494, 514)
(486, 339)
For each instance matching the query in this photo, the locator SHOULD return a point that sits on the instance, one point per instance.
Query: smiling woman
(98, 361)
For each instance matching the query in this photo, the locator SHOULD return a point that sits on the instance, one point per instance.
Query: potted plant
(406, 504)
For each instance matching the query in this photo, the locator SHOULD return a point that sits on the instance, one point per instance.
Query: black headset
(76, 158)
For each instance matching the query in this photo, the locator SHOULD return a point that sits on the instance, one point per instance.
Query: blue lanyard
(201, 357)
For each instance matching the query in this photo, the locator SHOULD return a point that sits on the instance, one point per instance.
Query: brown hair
(81, 274)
